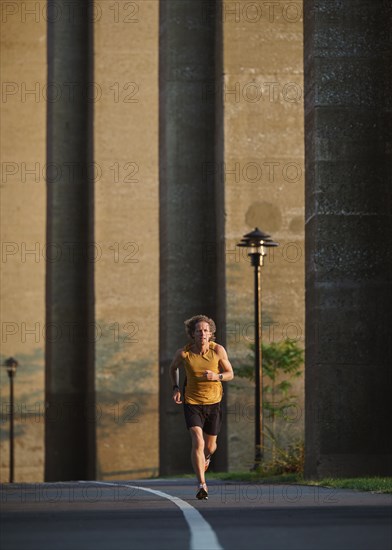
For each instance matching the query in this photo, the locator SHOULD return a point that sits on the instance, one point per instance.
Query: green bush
(285, 461)
(281, 363)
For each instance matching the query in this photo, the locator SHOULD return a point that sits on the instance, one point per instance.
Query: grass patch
(256, 477)
(372, 484)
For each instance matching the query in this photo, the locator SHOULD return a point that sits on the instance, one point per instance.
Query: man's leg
(209, 448)
(210, 444)
(198, 457)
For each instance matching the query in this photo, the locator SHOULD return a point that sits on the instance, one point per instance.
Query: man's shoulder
(181, 352)
(218, 348)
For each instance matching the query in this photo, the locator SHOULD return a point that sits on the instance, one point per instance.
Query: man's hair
(190, 325)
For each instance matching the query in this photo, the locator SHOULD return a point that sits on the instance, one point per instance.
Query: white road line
(202, 534)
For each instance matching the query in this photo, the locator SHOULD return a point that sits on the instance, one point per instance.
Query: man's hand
(177, 396)
(210, 375)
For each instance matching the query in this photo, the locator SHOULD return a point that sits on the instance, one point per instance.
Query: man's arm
(174, 375)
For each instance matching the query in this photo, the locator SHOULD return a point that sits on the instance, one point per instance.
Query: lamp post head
(11, 364)
(256, 241)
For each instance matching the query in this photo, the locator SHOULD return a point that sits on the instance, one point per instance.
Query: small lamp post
(256, 241)
(11, 366)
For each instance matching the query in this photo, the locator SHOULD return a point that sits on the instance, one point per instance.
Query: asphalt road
(164, 514)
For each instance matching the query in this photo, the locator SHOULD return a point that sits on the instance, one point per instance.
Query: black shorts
(207, 417)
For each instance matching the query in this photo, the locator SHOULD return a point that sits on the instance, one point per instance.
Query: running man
(206, 366)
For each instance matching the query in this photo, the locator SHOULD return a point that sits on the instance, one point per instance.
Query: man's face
(202, 333)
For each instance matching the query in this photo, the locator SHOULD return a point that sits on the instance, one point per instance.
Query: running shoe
(202, 493)
(207, 463)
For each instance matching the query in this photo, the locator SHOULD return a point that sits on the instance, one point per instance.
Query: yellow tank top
(199, 390)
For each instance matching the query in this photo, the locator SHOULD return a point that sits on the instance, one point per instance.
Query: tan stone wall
(263, 171)
(264, 175)
(23, 206)
(127, 238)
(126, 234)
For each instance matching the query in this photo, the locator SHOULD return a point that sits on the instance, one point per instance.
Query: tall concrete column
(348, 237)
(70, 414)
(188, 227)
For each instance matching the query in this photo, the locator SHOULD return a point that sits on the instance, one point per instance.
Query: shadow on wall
(126, 407)
(29, 392)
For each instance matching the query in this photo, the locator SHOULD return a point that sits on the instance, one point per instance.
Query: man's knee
(197, 439)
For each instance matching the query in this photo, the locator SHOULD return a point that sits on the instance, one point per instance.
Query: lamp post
(256, 241)
(11, 365)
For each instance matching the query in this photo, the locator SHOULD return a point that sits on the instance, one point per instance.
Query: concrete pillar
(70, 415)
(187, 197)
(348, 236)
